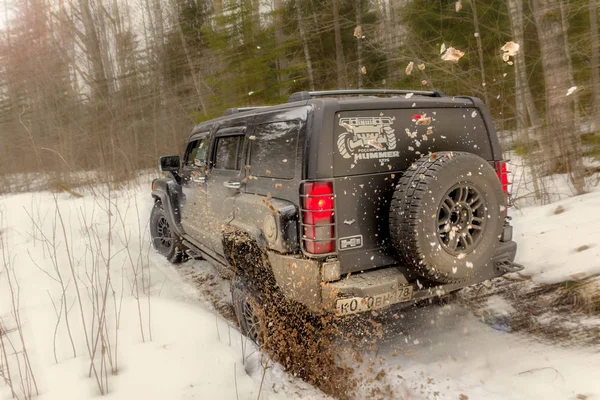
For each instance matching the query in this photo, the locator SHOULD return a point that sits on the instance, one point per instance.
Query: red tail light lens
(502, 173)
(318, 217)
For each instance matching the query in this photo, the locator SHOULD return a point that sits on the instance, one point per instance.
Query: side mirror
(169, 164)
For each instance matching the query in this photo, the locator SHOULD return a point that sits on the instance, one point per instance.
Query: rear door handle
(232, 184)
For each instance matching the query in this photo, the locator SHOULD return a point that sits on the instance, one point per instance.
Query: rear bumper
(300, 279)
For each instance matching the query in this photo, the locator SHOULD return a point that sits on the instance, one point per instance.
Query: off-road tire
(416, 210)
(390, 135)
(248, 311)
(160, 234)
(342, 144)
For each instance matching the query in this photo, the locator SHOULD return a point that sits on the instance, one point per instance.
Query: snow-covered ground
(173, 344)
(560, 241)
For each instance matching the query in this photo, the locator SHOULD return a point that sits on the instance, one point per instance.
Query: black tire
(248, 312)
(441, 242)
(342, 144)
(164, 240)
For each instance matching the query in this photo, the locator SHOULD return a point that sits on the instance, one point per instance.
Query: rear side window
(273, 150)
(229, 152)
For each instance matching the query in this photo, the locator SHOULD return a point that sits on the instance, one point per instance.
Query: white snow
(192, 353)
(500, 305)
(548, 242)
(458, 354)
(429, 352)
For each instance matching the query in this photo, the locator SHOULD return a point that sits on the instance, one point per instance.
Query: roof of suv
(354, 99)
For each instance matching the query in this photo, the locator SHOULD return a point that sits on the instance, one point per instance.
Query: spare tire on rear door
(446, 216)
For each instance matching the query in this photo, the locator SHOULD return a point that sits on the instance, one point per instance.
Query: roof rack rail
(299, 96)
(236, 110)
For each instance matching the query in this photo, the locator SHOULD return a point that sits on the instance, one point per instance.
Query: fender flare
(161, 195)
(252, 231)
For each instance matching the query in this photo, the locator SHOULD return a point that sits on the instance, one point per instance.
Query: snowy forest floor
(169, 331)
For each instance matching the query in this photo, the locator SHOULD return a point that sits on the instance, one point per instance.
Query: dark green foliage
(158, 88)
(432, 23)
(591, 146)
(243, 68)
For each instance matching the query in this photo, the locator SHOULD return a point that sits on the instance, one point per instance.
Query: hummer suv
(350, 201)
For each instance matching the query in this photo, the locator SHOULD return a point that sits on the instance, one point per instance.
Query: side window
(195, 155)
(229, 152)
(199, 159)
(273, 152)
(192, 147)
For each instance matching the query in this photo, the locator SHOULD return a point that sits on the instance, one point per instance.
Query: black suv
(353, 200)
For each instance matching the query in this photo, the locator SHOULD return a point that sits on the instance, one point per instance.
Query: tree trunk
(190, 63)
(217, 13)
(562, 144)
(339, 51)
(515, 13)
(217, 7)
(159, 50)
(92, 45)
(565, 29)
(280, 42)
(255, 17)
(593, 10)
(105, 47)
(388, 41)
(479, 51)
(524, 101)
(359, 45)
(100, 89)
(309, 70)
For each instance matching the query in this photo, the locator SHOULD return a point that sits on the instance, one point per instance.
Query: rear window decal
(367, 138)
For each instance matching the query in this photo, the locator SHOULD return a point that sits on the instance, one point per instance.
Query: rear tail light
(502, 172)
(318, 229)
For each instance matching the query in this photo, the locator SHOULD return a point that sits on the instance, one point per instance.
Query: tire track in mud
(562, 314)
(377, 345)
(355, 346)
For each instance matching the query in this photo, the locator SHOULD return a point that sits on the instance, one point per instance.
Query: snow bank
(450, 353)
(170, 345)
(550, 240)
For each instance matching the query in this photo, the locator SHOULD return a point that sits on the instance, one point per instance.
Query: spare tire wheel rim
(461, 219)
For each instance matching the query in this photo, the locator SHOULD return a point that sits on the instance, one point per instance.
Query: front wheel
(164, 240)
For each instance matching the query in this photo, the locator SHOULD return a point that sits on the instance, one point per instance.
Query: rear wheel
(446, 216)
(248, 312)
(164, 240)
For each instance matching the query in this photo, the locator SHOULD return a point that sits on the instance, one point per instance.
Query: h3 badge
(351, 242)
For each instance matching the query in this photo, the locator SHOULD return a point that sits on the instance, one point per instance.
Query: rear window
(273, 149)
(368, 141)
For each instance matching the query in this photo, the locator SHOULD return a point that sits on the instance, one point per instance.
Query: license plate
(354, 305)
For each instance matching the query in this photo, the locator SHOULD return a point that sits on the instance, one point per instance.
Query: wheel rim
(461, 219)
(251, 321)
(164, 238)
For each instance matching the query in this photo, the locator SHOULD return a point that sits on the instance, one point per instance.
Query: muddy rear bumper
(301, 280)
